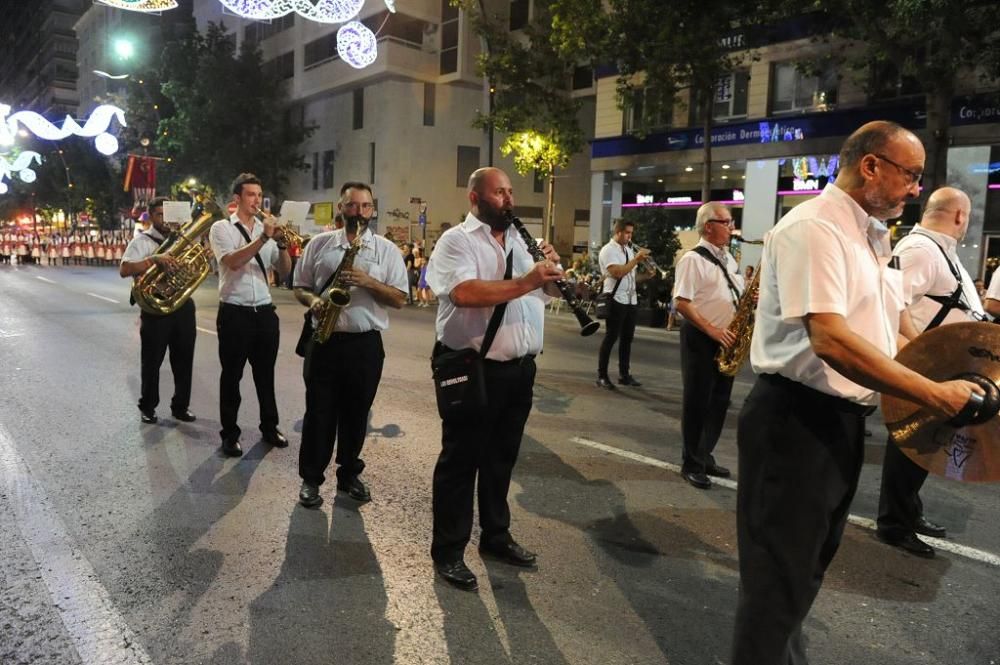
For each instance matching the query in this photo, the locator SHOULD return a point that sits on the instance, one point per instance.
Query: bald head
(947, 212)
(480, 176)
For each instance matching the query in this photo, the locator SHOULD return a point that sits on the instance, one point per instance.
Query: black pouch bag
(603, 302)
(459, 384)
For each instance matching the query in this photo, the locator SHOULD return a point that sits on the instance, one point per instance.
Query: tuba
(337, 296)
(730, 360)
(158, 292)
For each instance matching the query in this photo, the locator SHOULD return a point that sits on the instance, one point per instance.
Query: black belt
(248, 308)
(352, 335)
(832, 402)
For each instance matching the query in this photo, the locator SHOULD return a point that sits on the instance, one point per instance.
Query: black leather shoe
(628, 380)
(184, 416)
(697, 479)
(148, 417)
(232, 448)
(276, 439)
(457, 574)
(511, 553)
(717, 471)
(605, 382)
(909, 543)
(355, 489)
(309, 495)
(927, 528)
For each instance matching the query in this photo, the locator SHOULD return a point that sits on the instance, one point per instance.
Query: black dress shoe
(355, 489)
(909, 543)
(697, 479)
(232, 448)
(605, 382)
(457, 574)
(276, 439)
(628, 380)
(511, 553)
(309, 495)
(148, 417)
(927, 528)
(717, 471)
(184, 416)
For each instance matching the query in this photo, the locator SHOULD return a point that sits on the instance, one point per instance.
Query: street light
(124, 48)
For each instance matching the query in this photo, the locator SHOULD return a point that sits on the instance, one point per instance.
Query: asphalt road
(129, 543)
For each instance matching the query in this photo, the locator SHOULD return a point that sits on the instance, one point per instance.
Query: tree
(661, 49)
(655, 230)
(530, 85)
(225, 114)
(933, 43)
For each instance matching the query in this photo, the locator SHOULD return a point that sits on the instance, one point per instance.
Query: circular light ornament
(141, 5)
(356, 45)
(321, 11)
(27, 175)
(106, 144)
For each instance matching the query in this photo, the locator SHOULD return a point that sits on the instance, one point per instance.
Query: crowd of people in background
(103, 248)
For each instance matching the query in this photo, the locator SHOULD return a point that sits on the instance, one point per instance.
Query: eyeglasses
(728, 222)
(363, 206)
(914, 176)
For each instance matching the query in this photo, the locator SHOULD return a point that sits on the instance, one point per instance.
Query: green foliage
(535, 151)
(227, 114)
(655, 230)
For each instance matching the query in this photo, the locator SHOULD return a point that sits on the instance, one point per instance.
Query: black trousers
(342, 377)
(157, 334)
(800, 458)
(899, 504)
(247, 334)
(486, 447)
(706, 398)
(620, 325)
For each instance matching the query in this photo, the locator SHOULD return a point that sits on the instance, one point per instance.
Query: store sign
(643, 198)
(809, 184)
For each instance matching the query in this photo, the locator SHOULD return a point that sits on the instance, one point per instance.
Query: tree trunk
(550, 207)
(706, 172)
(939, 100)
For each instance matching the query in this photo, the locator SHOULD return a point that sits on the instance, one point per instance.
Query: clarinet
(587, 325)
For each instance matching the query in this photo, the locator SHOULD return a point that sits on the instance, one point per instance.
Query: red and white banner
(140, 177)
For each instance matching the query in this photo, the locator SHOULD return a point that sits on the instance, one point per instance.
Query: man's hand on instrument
(541, 274)
(723, 336)
(549, 251)
(355, 277)
(317, 306)
(166, 262)
(950, 397)
(270, 226)
(642, 254)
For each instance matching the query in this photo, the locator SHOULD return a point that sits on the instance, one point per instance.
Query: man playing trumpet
(247, 323)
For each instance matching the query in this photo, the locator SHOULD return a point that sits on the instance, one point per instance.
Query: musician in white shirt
(247, 323)
(824, 337)
(938, 291)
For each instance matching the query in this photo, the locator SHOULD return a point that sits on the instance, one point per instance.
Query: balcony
(395, 58)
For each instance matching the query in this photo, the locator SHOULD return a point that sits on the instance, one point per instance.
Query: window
(315, 170)
(519, 12)
(793, 90)
(468, 161)
(328, 157)
(583, 78)
(430, 92)
(886, 82)
(371, 163)
(319, 51)
(359, 108)
(255, 32)
(641, 115)
(283, 66)
(731, 95)
(449, 38)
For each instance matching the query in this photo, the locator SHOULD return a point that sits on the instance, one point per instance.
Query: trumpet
(648, 264)
(284, 234)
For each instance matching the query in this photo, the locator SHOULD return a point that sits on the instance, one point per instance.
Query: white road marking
(210, 332)
(98, 631)
(44, 279)
(94, 295)
(946, 545)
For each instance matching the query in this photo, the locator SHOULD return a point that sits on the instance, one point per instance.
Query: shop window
(793, 90)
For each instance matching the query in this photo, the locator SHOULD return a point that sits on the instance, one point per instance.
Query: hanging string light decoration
(95, 127)
(20, 167)
(356, 45)
(141, 5)
(321, 11)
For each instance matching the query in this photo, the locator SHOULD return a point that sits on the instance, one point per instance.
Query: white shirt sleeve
(303, 278)
(452, 263)
(813, 272)
(138, 249)
(395, 269)
(221, 240)
(920, 270)
(686, 277)
(994, 288)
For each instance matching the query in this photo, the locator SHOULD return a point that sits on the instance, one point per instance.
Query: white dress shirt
(468, 251)
(615, 254)
(142, 246)
(819, 259)
(702, 282)
(377, 257)
(248, 285)
(925, 272)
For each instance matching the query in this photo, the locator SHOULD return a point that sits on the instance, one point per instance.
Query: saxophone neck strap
(707, 255)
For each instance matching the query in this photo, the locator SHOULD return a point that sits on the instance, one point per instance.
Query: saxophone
(337, 296)
(158, 292)
(730, 360)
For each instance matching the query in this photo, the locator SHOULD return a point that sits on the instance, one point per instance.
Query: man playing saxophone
(707, 291)
(342, 374)
(158, 333)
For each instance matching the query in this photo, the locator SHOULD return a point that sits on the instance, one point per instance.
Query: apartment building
(404, 123)
(775, 142)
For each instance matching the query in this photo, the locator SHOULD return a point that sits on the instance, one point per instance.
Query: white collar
(947, 242)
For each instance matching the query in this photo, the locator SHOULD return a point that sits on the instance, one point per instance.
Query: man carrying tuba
(158, 332)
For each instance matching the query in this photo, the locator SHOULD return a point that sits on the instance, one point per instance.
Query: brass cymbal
(969, 453)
